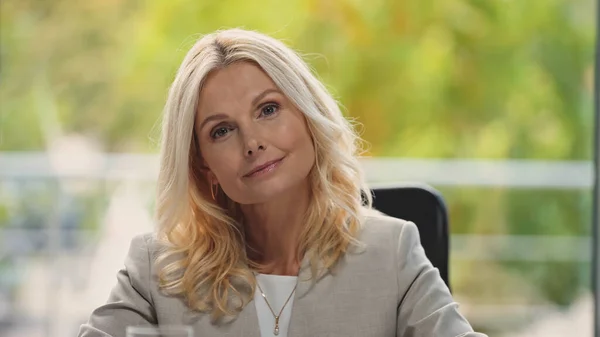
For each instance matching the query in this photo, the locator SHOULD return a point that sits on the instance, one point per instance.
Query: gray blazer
(388, 289)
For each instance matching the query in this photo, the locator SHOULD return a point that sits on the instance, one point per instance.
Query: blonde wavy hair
(203, 252)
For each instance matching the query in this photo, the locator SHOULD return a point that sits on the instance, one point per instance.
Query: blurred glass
(162, 331)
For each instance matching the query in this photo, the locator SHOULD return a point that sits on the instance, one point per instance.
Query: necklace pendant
(276, 330)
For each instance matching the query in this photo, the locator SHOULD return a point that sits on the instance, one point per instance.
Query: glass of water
(160, 331)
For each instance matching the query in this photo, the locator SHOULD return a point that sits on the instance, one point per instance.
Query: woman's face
(254, 142)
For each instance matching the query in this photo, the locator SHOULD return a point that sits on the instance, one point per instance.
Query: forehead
(236, 84)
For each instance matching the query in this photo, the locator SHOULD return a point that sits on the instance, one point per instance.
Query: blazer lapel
(301, 307)
(246, 323)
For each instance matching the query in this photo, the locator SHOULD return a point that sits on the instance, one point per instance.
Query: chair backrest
(424, 206)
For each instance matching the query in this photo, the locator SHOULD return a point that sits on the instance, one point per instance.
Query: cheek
(301, 143)
(294, 134)
(307, 141)
(222, 164)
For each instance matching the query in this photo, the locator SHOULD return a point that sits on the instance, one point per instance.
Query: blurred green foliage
(440, 79)
(452, 78)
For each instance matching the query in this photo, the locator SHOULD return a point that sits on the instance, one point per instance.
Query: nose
(252, 145)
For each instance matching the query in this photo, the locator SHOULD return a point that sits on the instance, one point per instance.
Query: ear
(212, 178)
(208, 174)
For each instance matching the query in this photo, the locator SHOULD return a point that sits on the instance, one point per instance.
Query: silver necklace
(276, 316)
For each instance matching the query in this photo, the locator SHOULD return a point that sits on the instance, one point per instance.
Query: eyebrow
(263, 94)
(221, 116)
(215, 117)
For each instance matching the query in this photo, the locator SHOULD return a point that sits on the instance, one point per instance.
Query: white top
(277, 288)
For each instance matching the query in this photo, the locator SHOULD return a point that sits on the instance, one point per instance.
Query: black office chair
(424, 206)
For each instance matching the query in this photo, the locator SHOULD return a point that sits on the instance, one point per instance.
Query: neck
(273, 230)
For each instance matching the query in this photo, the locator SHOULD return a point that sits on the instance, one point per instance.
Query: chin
(276, 189)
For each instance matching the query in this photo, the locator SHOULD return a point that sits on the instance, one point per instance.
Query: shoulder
(140, 252)
(378, 229)
(383, 239)
(143, 239)
(142, 244)
(143, 251)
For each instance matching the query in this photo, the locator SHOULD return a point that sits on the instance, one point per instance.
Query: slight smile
(265, 168)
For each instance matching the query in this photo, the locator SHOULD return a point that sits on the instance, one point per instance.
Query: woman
(262, 230)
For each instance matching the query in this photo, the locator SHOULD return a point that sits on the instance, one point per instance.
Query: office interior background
(488, 101)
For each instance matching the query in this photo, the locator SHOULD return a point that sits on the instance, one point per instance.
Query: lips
(266, 167)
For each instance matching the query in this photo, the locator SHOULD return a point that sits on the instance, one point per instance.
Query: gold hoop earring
(214, 192)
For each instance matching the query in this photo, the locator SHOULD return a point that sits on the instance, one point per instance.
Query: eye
(269, 109)
(219, 132)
